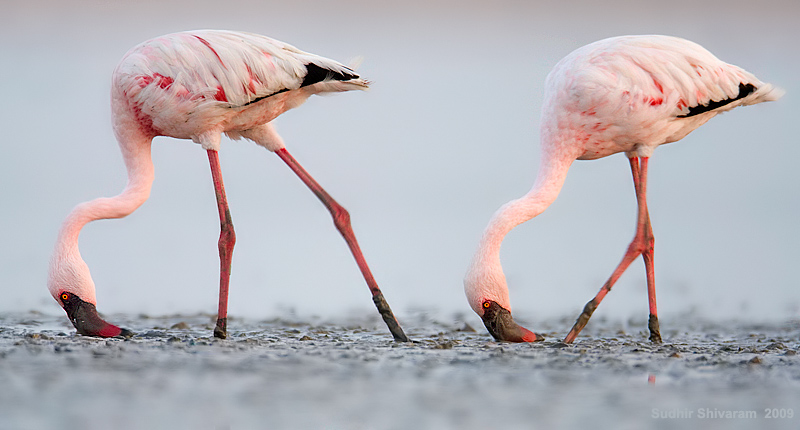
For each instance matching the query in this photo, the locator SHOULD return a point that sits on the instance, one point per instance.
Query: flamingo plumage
(198, 85)
(622, 94)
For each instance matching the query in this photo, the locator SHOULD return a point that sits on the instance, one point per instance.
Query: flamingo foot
(388, 318)
(221, 329)
(87, 321)
(655, 333)
(501, 326)
(582, 320)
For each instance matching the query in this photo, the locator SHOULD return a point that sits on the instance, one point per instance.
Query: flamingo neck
(68, 271)
(485, 278)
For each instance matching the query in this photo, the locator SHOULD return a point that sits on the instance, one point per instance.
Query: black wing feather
(744, 91)
(318, 74)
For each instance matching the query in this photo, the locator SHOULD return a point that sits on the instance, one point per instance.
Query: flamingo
(197, 85)
(622, 94)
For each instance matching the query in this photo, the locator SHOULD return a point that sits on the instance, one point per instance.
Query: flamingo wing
(224, 66)
(183, 84)
(633, 93)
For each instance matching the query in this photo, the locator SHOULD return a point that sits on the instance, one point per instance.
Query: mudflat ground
(295, 373)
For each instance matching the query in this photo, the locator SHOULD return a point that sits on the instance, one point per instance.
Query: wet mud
(349, 374)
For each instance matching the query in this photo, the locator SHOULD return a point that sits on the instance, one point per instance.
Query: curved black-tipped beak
(501, 326)
(87, 321)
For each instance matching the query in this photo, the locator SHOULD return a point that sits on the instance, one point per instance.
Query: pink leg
(640, 182)
(341, 218)
(227, 238)
(642, 244)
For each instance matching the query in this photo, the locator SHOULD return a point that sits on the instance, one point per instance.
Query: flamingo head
(85, 318)
(71, 285)
(501, 326)
(487, 294)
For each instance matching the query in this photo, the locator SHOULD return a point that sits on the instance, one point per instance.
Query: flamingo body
(623, 94)
(197, 85)
(634, 93)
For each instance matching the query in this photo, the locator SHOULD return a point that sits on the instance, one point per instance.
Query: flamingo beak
(87, 321)
(501, 326)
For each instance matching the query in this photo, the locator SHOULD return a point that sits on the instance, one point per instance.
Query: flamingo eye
(65, 296)
(486, 304)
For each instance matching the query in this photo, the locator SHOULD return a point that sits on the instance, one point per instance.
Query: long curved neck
(544, 191)
(485, 278)
(67, 269)
(139, 164)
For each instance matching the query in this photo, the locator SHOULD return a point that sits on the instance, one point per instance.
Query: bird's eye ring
(64, 296)
(486, 304)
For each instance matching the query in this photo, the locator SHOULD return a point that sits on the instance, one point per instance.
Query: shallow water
(348, 374)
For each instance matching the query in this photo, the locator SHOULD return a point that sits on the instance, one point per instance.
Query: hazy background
(447, 134)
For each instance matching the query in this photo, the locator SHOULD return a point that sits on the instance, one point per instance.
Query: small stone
(444, 345)
(152, 334)
(180, 326)
(467, 328)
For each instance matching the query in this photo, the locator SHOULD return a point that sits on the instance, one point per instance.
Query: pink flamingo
(197, 85)
(623, 94)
